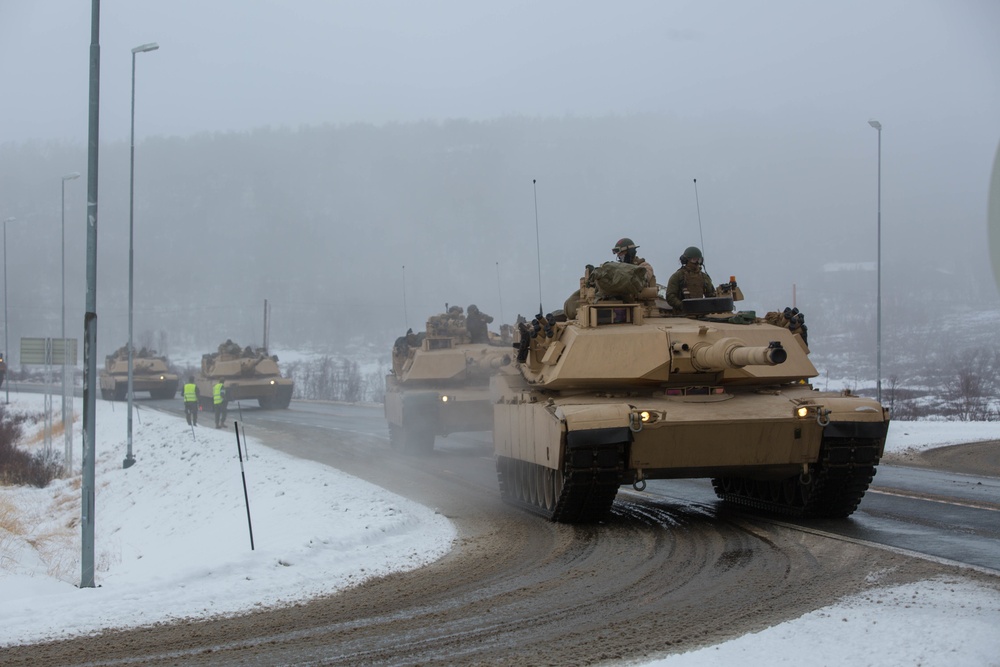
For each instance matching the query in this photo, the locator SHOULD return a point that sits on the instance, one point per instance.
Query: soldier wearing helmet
(476, 323)
(689, 281)
(625, 251)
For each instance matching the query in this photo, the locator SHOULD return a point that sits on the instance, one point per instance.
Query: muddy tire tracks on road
(654, 578)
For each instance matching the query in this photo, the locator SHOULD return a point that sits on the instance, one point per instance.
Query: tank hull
(417, 414)
(270, 393)
(114, 386)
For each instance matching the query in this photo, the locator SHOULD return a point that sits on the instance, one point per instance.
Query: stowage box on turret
(149, 373)
(440, 382)
(628, 391)
(249, 373)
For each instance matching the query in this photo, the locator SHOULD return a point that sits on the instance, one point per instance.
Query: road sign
(33, 351)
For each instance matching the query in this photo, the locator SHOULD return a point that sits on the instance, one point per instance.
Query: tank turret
(628, 390)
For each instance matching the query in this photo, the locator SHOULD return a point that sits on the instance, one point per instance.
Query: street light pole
(67, 423)
(878, 264)
(6, 357)
(129, 459)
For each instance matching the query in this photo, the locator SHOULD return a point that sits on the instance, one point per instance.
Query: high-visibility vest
(190, 393)
(217, 393)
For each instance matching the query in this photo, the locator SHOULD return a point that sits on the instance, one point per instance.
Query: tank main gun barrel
(733, 353)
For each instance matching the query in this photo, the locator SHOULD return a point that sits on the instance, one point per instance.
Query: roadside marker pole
(246, 498)
(239, 408)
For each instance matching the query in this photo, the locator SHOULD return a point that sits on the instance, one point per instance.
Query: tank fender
(854, 409)
(855, 417)
(588, 425)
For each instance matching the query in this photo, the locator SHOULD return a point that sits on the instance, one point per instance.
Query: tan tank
(440, 382)
(249, 373)
(149, 373)
(629, 391)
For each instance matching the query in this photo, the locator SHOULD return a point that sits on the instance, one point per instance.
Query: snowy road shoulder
(172, 537)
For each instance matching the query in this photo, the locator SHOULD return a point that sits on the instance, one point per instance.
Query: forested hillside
(363, 230)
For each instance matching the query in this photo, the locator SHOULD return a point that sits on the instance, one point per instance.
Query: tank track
(835, 487)
(582, 492)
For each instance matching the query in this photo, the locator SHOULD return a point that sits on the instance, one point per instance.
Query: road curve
(658, 577)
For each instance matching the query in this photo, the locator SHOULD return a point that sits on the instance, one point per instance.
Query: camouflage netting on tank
(617, 280)
(122, 353)
(231, 350)
(451, 324)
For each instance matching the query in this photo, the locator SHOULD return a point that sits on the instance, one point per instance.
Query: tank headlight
(645, 416)
(162, 378)
(802, 412)
(272, 381)
(444, 399)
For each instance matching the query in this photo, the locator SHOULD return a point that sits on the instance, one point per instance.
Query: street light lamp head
(877, 125)
(142, 48)
(70, 177)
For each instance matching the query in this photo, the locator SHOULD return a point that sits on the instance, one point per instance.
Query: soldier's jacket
(688, 284)
(650, 277)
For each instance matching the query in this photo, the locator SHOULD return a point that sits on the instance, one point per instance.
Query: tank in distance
(150, 373)
(250, 373)
(439, 382)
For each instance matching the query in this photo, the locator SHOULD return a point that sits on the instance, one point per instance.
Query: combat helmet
(625, 249)
(691, 253)
(624, 243)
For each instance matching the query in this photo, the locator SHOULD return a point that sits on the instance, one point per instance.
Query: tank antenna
(266, 325)
(500, 293)
(696, 203)
(538, 251)
(406, 319)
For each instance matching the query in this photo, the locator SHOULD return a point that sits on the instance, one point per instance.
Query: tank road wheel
(583, 492)
(551, 487)
(832, 490)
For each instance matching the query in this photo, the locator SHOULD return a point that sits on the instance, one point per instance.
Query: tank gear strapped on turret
(625, 251)
(690, 281)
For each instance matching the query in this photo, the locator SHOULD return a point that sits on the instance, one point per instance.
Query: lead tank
(150, 372)
(625, 391)
(440, 382)
(250, 373)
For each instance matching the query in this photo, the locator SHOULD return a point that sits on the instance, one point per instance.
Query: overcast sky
(237, 64)
(777, 96)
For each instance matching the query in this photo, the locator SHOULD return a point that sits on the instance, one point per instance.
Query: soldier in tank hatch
(690, 281)
(475, 324)
(625, 251)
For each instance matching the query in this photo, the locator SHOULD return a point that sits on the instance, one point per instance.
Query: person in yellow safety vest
(191, 401)
(220, 402)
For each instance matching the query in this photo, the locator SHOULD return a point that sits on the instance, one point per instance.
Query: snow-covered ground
(172, 541)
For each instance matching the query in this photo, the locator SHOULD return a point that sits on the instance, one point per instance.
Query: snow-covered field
(172, 541)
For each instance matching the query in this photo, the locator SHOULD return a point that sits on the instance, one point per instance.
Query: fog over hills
(359, 166)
